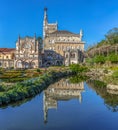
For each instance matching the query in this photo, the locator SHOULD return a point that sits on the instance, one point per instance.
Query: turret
(35, 42)
(19, 43)
(81, 33)
(45, 15)
(45, 21)
(56, 25)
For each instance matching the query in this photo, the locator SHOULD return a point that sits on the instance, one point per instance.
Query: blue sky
(25, 17)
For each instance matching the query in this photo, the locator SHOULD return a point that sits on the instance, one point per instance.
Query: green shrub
(90, 60)
(115, 74)
(27, 88)
(98, 83)
(113, 58)
(38, 70)
(1, 89)
(76, 68)
(99, 59)
(78, 79)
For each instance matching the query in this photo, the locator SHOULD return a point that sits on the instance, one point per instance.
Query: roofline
(7, 50)
(70, 42)
(64, 32)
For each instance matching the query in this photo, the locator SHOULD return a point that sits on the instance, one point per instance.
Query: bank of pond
(21, 92)
(29, 88)
(110, 98)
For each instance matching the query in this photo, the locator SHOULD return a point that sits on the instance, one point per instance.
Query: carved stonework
(27, 53)
(60, 41)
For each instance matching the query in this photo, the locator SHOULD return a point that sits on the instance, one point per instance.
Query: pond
(64, 106)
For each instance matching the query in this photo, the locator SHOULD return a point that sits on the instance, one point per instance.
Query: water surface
(64, 106)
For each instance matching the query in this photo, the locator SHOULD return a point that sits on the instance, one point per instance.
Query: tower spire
(45, 22)
(35, 42)
(81, 33)
(19, 42)
(45, 15)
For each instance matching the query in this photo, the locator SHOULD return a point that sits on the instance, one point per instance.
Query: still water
(64, 106)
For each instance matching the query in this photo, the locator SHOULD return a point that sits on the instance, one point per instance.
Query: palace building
(59, 47)
(7, 56)
(27, 53)
(60, 41)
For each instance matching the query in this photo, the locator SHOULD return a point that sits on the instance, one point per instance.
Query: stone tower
(47, 27)
(45, 22)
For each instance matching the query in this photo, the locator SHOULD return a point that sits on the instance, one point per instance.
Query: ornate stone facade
(60, 40)
(7, 56)
(56, 45)
(51, 58)
(27, 53)
(73, 56)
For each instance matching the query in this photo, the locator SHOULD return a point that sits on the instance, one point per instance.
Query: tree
(112, 36)
(113, 58)
(39, 39)
(99, 59)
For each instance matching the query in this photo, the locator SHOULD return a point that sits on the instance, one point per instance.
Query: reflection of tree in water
(16, 104)
(77, 79)
(110, 100)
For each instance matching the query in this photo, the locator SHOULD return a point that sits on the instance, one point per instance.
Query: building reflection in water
(59, 91)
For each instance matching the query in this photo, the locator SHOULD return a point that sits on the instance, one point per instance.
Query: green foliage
(111, 100)
(112, 36)
(90, 61)
(112, 79)
(18, 75)
(76, 68)
(114, 68)
(115, 74)
(103, 42)
(113, 58)
(1, 89)
(78, 79)
(38, 70)
(19, 79)
(98, 83)
(28, 88)
(99, 59)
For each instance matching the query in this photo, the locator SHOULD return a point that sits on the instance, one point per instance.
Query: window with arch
(66, 55)
(72, 55)
(19, 64)
(7, 57)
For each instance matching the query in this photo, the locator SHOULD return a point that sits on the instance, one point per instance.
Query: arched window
(66, 55)
(26, 65)
(19, 64)
(72, 55)
(32, 65)
(7, 57)
(5, 64)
